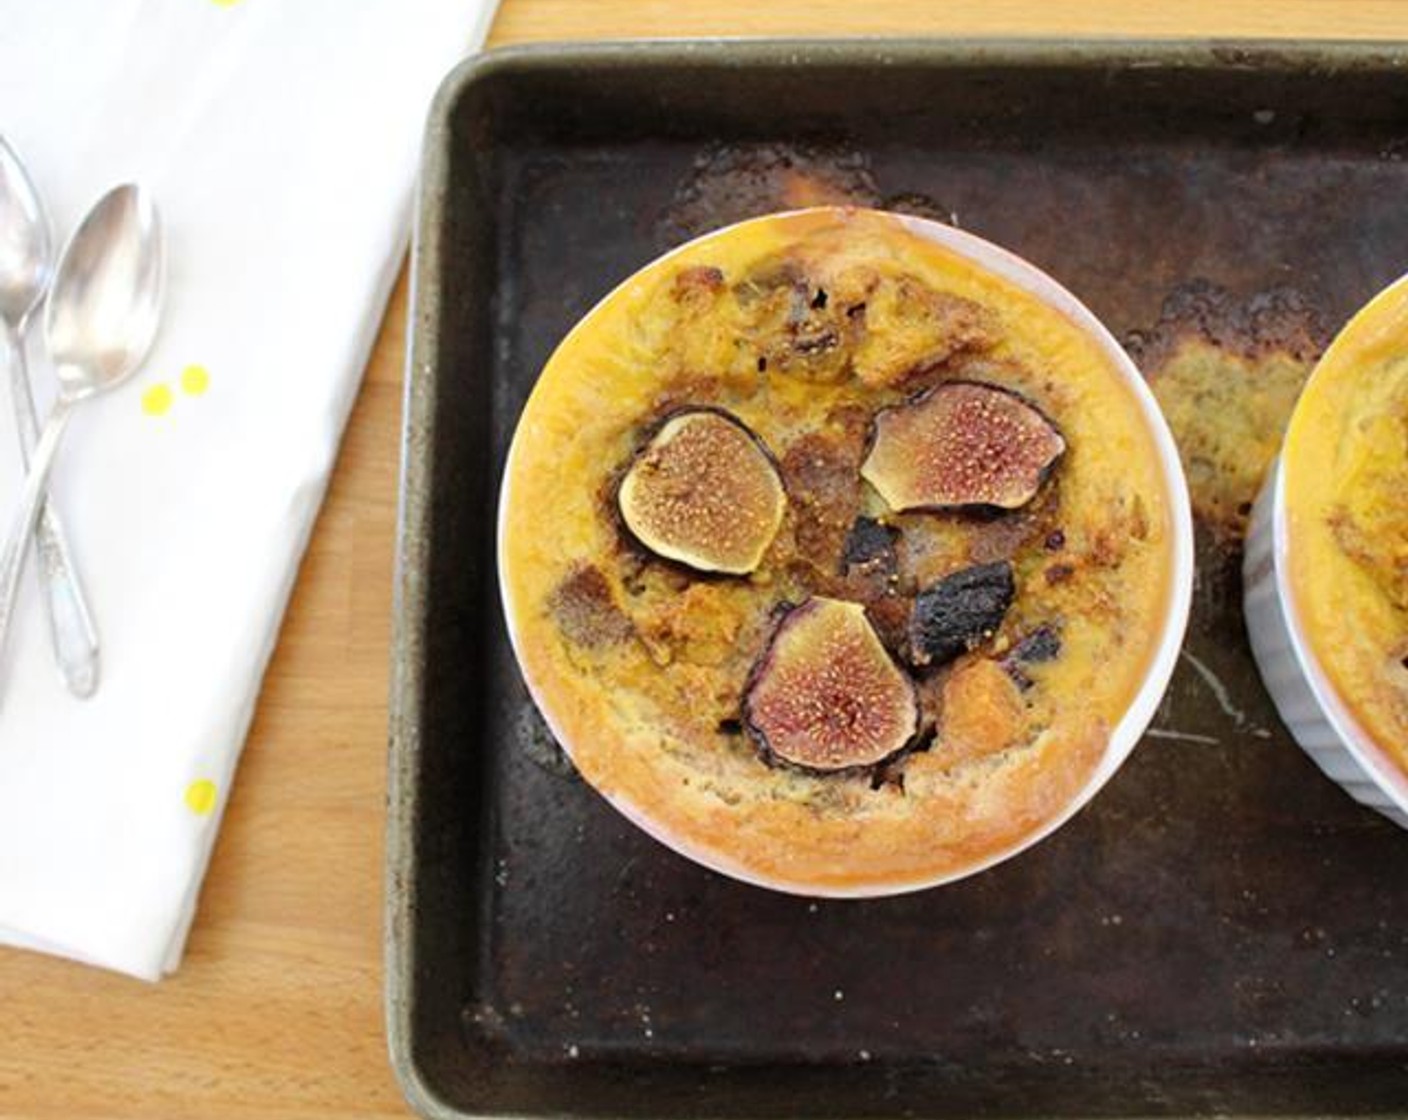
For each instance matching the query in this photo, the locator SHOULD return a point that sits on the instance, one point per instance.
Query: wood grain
(277, 1010)
(591, 19)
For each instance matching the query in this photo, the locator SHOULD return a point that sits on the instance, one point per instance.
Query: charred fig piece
(959, 612)
(704, 491)
(870, 543)
(1040, 645)
(961, 444)
(825, 694)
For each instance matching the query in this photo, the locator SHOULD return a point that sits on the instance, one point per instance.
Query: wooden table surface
(277, 1009)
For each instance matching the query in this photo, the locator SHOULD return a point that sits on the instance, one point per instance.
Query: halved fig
(704, 491)
(825, 693)
(959, 612)
(961, 444)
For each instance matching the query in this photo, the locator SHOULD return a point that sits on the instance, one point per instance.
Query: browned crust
(1229, 423)
(1280, 319)
(790, 844)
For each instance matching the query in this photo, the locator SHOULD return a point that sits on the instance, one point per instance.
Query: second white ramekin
(1308, 703)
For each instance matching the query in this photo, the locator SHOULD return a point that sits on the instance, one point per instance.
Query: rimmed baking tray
(1222, 931)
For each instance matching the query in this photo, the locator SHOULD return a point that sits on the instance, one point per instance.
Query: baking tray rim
(416, 452)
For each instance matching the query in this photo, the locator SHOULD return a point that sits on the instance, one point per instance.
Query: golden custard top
(860, 692)
(1346, 490)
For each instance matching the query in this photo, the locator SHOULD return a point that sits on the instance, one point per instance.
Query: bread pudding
(835, 558)
(1345, 487)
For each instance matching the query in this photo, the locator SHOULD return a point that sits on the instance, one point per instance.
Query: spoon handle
(71, 627)
(31, 501)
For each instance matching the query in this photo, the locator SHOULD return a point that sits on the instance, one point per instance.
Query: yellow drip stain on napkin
(157, 400)
(224, 3)
(195, 380)
(200, 796)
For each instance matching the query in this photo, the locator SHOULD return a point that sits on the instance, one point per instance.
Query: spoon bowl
(102, 315)
(26, 242)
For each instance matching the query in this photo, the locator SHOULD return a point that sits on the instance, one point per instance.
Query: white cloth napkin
(280, 138)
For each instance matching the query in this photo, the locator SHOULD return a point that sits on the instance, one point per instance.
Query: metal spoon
(26, 267)
(99, 323)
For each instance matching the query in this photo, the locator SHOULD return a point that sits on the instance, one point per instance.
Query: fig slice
(704, 491)
(825, 694)
(961, 444)
(959, 612)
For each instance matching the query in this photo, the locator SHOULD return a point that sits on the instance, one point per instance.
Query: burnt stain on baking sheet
(539, 745)
(731, 182)
(920, 205)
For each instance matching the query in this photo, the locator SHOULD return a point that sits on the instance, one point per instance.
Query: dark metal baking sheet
(1222, 931)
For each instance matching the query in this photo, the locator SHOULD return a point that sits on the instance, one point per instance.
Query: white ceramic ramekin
(1309, 704)
(1129, 729)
